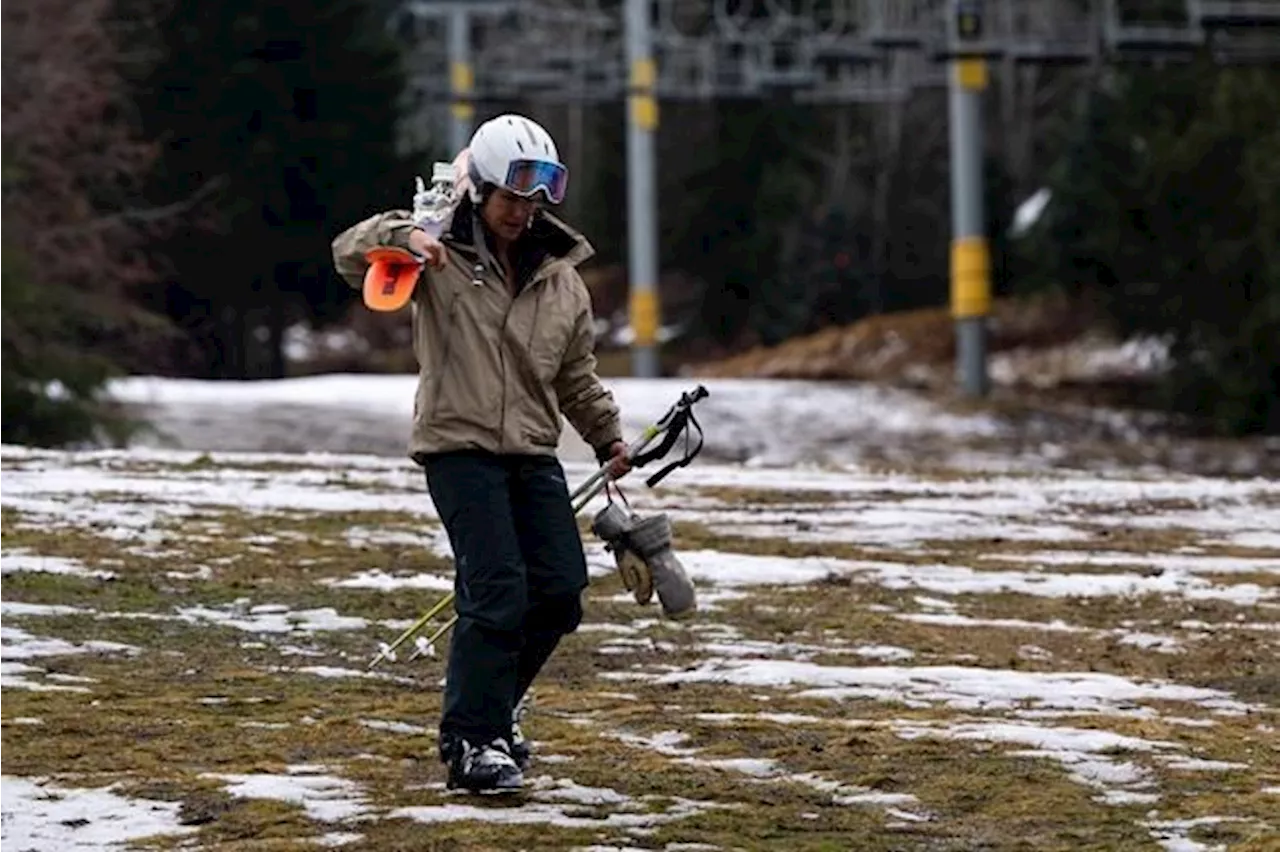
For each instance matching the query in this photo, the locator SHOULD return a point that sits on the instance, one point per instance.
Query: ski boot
(481, 768)
(521, 752)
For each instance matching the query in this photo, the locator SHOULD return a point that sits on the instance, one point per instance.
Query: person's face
(507, 214)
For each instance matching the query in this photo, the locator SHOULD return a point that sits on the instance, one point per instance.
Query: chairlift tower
(811, 51)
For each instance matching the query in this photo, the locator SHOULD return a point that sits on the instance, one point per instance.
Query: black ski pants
(519, 575)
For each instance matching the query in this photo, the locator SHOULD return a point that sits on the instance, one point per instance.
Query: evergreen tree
(292, 108)
(72, 224)
(52, 380)
(1166, 204)
(727, 224)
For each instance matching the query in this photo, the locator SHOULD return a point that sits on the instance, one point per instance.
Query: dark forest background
(174, 171)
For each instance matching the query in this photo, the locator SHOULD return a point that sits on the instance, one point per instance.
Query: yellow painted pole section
(462, 81)
(644, 106)
(971, 73)
(644, 111)
(644, 315)
(970, 277)
(970, 255)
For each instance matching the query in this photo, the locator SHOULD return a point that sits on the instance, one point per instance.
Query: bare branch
(142, 215)
(72, 159)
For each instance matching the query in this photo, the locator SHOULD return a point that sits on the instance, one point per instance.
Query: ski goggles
(525, 177)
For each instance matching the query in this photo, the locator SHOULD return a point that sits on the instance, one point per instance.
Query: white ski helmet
(518, 155)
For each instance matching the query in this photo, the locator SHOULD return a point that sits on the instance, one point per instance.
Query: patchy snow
(1151, 642)
(1196, 764)
(560, 815)
(1091, 358)
(889, 653)
(201, 572)
(736, 569)
(607, 627)
(546, 788)
(756, 421)
(369, 537)
(14, 561)
(886, 525)
(325, 798)
(740, 569)
(956, 580)
(394, 727)
(16, 644)
(953, 686)
(952, 619)
(21, 645)
(303, 343)
(1090, 755)
(757, 767)
(384, 582)
(15, 675)
(1174, 835)
(775, 718)
(68, 495)
(1186, 563)
(765, 771)
(725, 569)
(41, 815)
(1255, 538)
(730, 647)
(663, 742)
(339, 672)
(272, 618)
(132, 498)
(1148, 641)
(22, 608)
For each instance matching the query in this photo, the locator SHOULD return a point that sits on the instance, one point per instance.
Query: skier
(504, 338)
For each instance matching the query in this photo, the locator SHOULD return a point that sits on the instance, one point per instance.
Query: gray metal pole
(970, 255)
(642, 123)
(461, 79)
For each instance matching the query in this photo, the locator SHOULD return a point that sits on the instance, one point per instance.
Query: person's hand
(428, 247)
(619, 460)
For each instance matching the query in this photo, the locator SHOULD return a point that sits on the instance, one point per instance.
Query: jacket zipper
(502, 353)
(502, 361)
(533, 328)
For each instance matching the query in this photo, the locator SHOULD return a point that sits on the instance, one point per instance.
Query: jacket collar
(549, 243)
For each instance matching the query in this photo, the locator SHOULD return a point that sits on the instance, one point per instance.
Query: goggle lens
(525, 177)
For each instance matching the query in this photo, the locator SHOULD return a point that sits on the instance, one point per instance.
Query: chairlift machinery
(648, 52)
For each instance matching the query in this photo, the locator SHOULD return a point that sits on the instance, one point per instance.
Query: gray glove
(646, 563)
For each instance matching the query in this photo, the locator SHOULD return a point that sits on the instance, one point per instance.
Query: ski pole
(586, 491)
(388, 652)
(678, 416)
(590, 488)
(428, 645)
(672, 424)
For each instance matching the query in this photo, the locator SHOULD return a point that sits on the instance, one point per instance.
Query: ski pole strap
(677, 421)
(690, 452)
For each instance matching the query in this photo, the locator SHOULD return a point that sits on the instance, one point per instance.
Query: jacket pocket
(548, 337)
(442, 365)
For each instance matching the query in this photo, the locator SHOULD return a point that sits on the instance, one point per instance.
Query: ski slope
(983, 655)
(752, 421)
